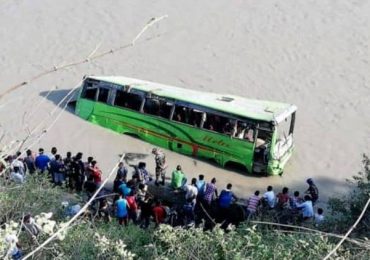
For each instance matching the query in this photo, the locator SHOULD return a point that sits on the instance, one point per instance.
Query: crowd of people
(194, 201)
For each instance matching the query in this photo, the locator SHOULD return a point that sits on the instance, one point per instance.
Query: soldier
(160, 165)
(68, 169)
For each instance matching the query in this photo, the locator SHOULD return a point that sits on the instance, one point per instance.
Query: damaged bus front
(275, 143)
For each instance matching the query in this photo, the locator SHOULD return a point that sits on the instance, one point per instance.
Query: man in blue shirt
(57, 170)
(224, 202)
(121, 210)
(201, 186)
(42, 161)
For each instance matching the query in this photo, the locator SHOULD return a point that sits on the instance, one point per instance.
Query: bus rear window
(128, 100)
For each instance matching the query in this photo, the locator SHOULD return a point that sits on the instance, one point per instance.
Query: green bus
(230, 130)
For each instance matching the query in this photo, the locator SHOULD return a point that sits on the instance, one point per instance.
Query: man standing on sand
(312, 191)
(122, 172)
(52, 154)
(29, 160)
(210, 192)
(18, 162)
(178, 179)
(160, 165)
(42, 161)
(224, 204)
(269, 197)
(78, 172)
(96, 173)
(191, 191)
(68, 161)
(57, 170)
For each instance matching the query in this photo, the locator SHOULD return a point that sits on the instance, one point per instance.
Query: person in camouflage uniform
(160, 166)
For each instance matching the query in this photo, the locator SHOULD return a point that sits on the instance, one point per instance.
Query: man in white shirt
(52, 154)
(319, 216)
(16, 176)
(191, 190)
(270, 197)
(18, 163)
(306, 207)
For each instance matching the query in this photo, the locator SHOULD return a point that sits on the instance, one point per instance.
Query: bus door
(262, 144)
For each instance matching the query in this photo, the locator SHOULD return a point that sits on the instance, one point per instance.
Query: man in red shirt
(96, 173)
(131, 201)
(283, 198)
(159, 213)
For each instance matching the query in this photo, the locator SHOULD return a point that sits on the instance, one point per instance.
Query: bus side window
(181, 114)
(89, 93)
(128, 100)
(103, 95)
(119, 100)
(165, 109)
(213, 123)
(151, 106)
(244, 131)
(219, 124)
(195, 117)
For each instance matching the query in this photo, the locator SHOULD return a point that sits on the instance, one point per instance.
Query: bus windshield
(284, 138)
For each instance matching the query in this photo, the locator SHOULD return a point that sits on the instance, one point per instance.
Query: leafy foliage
(36, 195)
(345, 210)
(245, 242)
(106, 241)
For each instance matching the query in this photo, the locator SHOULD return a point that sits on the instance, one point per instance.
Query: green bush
(106, 241)
(245, 242)
(35, 196)
(344, 211)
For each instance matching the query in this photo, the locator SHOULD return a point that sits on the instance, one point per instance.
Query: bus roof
(250, 108)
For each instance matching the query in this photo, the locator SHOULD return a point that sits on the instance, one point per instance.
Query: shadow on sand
(56, 96)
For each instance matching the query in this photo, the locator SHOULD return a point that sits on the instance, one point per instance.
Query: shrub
(344, 211)
(35, 196)
(245, 242)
